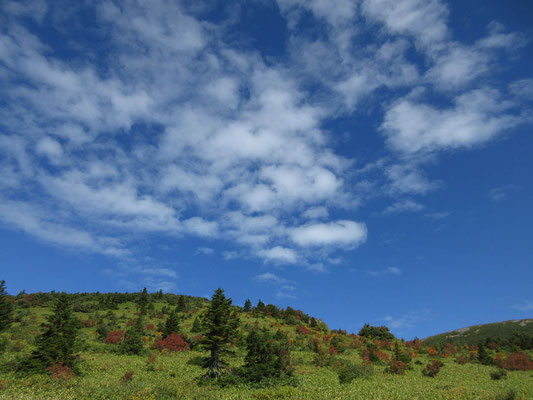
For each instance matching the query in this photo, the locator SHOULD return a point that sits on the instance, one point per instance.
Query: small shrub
(432, 369)
(461, 360)
(115, 337)
(397, 367)
(510, 395)
(349, 371)
(172, 342)
(128, 376)
(61, 372)
(516, 362)
(150, 362)
(499, 374)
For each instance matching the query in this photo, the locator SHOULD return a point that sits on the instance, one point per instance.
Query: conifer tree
(182, 305)
(172, 324)
(143, 300)
(57, 344)
(268, 356)
(196, 325)
(6, 308)
(133, 338)
(247, 305)
(220, 324)
(483, 356)
(260, 306)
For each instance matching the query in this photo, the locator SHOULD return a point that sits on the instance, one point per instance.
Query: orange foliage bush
(432, 352)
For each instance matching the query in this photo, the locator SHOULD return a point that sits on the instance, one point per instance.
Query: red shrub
(150, 327)
(432, 369)
(449, 348)
(397, 367)
(332, 350)
(172, 342)
(115, 337)
(61, 372)
(302, 330)
(461, 360)
(382, 356)
(516, 362)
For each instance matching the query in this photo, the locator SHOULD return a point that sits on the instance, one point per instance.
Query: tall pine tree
(6, 308)
(172, 324)
(247, 305)
(57, 344)
(220, 324)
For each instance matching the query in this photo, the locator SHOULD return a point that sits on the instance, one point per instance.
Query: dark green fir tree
(172, 324)
(133, 338)
(247, 305)
(220, 323)
(6, 307)
(57, 344)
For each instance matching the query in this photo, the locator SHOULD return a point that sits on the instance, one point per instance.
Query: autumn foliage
(115, 337)
(516, 362)
(172, 342)
(432, 369)
(61, 372)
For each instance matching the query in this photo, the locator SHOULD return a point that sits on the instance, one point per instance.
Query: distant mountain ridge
(477, 333)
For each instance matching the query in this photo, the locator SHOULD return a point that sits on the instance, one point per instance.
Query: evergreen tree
(221, 324)
(143, 300)
(6, 308)
(133, 338)
(182, 305)
(483, 356)
(260, 306)
(268, 357)
(196, 325)
(172, 324)
(57, 344)
(247, 305)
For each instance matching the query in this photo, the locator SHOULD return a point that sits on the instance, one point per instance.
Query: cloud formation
(158, 122)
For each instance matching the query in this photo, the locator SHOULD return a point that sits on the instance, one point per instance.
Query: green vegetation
(518, 330)
(267, 353)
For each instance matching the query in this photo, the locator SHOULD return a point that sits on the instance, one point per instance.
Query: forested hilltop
(167, 346)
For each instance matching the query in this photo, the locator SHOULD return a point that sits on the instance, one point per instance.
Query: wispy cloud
(225, 144)
(391, 271)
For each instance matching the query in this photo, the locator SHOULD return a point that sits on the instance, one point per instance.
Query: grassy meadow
(175, 375)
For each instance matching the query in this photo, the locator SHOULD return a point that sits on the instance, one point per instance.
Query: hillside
(320, 363)
(477, 333)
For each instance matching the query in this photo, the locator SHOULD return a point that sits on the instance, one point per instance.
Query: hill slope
(476, 333)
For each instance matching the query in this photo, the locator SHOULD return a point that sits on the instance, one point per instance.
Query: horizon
(364, 161)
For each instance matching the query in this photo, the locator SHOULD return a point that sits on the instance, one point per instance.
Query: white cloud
(338, 233)
(403, 322)
(424, 20)
(477, 117)
(279, 254)
(269, 277)
(405, 205)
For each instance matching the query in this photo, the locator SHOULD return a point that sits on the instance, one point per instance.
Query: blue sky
(364, 161)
